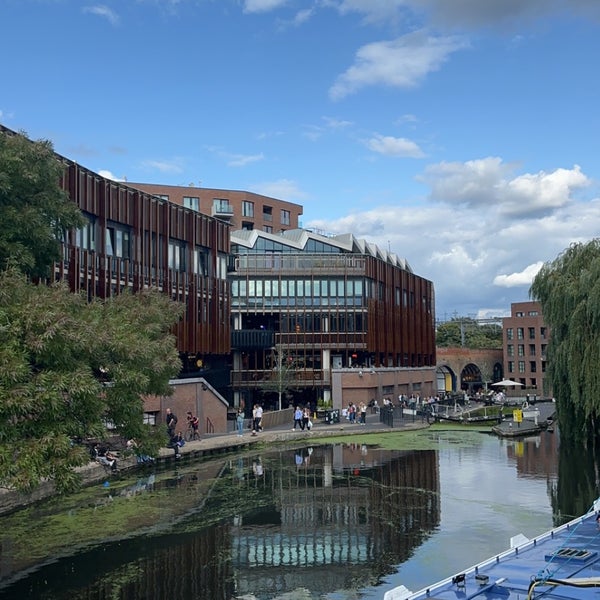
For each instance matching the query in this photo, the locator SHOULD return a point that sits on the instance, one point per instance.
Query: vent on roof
(576, 554)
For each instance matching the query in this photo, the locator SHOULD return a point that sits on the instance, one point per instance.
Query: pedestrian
(363, 413)
(193, 425)
(240, 421)
(257, 413)
(171, 420)
(306, 418)
(298, 418)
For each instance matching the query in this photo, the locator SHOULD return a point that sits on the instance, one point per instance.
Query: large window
(268, 213)
(191, 202)
(285, 217)
(118, 241)
(247, 209)
(85, 238)
(201, 261)
(177, 255)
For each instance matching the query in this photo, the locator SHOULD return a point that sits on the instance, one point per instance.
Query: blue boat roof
(561, 563)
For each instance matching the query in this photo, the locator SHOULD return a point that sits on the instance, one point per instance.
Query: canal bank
(210, 446)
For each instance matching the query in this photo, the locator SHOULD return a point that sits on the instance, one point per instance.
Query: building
(525, 338)
(345, 320)
(242, 210)
(352, 321)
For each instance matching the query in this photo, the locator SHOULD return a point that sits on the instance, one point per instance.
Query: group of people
(356, 414)
(302, 418)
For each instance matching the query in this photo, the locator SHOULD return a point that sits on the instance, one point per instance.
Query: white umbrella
(507, 383)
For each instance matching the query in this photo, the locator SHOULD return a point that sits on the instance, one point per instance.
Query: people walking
(306, 418)
(193, 426)
(298, 422)
(257, 413)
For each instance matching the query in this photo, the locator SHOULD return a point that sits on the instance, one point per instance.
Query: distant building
(242, 210)
(525, 339)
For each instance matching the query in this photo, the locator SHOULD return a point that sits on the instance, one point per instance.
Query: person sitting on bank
(105, 457)
(176, 442)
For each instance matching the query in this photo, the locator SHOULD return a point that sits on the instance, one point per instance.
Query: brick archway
(456, 360)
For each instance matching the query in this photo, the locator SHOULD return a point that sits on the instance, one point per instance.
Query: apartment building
(525, 338)
(242, 210)
(351, 321)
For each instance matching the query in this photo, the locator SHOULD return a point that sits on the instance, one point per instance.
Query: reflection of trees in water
(577, 485)
(340, 518)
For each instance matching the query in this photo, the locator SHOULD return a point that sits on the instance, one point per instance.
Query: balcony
(222, 210)
(252, 339)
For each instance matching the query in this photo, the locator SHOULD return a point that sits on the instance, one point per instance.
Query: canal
(333, 521)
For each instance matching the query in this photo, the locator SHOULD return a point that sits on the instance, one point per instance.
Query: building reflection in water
(321, 519)
(341, 517)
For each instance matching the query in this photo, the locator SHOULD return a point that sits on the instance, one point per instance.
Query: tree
(35, 212)
(568, 290)
(283, 376)
(68, 367)
(467, 332)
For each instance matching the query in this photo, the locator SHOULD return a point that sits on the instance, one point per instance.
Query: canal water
(336, 521)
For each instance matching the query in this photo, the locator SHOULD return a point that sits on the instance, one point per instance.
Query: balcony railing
(259, 263)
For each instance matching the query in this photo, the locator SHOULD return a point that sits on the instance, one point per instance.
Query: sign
(518, 415)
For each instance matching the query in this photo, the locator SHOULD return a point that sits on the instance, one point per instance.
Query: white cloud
(392, 146)
(241, 160)
(525, 277)
(163, 166)
(103, 11)
(259, 6)
(284, 189)
(475, 254)
(403, 62)
(110, 175)
(481, 182)
(333, 123)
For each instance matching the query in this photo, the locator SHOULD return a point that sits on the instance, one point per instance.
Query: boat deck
(562, 563)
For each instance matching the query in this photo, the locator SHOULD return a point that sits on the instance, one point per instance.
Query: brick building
(525, 338)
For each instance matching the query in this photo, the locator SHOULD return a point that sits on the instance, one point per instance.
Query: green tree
(35, 212)
(283, 376)
(568, 290)
(68, 367)
(467, 332)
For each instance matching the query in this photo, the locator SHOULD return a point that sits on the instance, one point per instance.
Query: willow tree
(568, 290)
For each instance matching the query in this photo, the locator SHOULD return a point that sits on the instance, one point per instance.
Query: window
(222, 266)
(510, 350)
(509, 333)
(163, 196)
(191, 202)
(511, 366)
(285, 217)
(85, 238)
(268, 213)
(201, 261)
(531, 349)
(519, 314)
(268, 229)
(543, 333)
(177, 255)
(533, 313)
(521, 349)
(520, 333)
(532, 366)
(118, 242)
(532, 333)
(521, 366)
(222, 206)
(247, 209)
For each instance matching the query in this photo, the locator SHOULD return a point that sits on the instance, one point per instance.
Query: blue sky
(459, 134)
